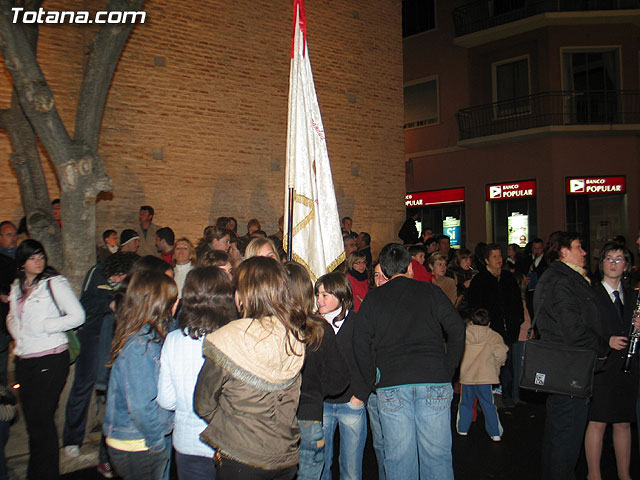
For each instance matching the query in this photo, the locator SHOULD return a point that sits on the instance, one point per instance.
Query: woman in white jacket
(42, 307)
(207, 303)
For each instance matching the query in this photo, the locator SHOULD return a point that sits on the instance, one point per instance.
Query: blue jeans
(77, 409)
(506, 375)
(564, 430)
(311, 450)
(353, 435)
(139, 465)
(376, 433)
(104, 352)
(195, 467)
(416, 425)
(465, 409)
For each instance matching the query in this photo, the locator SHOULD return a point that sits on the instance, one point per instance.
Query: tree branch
(36, 98)
(4, 119)
(105, 51)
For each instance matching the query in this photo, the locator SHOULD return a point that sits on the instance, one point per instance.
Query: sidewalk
(17, 450)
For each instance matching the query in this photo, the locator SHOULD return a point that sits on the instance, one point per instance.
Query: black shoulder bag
(552, 367)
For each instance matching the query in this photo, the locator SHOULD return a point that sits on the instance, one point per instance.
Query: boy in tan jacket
(484, 354)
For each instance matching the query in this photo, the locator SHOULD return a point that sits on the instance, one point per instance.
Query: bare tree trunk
(25, 160)
(79, 168)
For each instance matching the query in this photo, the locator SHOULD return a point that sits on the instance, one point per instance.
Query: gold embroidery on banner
(298, 259)
(307, 202)
(333, 265)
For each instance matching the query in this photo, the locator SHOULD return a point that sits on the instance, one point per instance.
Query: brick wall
(195, 123)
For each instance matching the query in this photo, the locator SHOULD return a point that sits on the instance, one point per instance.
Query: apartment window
(421, 104)
(591, 82)
(511, 88)
(500, 7)
(418, 16)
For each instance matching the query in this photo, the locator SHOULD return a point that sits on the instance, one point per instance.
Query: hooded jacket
(484, 354)
(248, 392)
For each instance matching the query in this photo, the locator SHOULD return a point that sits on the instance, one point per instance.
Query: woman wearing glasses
(358, 277)
(614, 391)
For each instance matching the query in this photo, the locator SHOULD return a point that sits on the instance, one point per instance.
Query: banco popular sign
(595, 185)
(503, 191)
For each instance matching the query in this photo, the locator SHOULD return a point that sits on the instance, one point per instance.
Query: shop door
(435, 217)
(503, 216)
(597, 218)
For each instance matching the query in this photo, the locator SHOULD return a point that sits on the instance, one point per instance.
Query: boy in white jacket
(484, 354)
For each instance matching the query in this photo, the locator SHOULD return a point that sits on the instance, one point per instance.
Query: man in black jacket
(409, 233)
(101, 280)
(567, 313)
(497, 291)
(408, 341)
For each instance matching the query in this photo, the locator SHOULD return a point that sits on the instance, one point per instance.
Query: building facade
(522, 118)
(196, 118)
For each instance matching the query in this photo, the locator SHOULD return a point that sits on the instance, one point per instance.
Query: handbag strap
(537, 311)
(53, 297)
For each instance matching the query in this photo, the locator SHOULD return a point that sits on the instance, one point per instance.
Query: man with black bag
(566, 314)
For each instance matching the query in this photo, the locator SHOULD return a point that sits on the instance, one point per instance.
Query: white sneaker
(496, 438)
(72, 451)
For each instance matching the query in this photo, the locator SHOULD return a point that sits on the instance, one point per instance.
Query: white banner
(317, 237)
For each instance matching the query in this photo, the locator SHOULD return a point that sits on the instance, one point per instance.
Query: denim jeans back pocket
(356, 407)
(390, 400)
(439, 396)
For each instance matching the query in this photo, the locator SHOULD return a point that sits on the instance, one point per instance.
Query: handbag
(73, 342)
(552, 367)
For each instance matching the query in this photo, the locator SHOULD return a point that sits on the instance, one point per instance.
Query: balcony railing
(484, 14)
(550, 108)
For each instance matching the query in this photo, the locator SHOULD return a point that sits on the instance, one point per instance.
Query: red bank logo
(576, 185)
(495, 191)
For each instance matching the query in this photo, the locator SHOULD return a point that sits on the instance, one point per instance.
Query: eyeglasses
(615, 260)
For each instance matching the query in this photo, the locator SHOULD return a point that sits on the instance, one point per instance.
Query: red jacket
(360, 289)
(420, 272)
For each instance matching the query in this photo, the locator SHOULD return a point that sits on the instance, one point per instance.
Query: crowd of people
(225, 353)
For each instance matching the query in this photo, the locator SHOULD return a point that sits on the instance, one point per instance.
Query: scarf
(361, 277)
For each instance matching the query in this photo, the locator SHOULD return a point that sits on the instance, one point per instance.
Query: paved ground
(475, 456)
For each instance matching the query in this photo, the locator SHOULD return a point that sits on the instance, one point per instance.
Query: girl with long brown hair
(207, 304)
(136, 428)
(249, 386)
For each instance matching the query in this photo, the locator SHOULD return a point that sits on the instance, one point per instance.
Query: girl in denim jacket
(137, 429)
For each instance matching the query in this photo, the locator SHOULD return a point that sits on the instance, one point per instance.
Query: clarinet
(633, 339)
